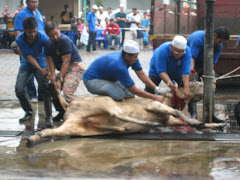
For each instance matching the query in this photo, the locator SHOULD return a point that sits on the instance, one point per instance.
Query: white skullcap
(131, 47)
(121, 5)
(95, 7)
(179, 42)
(100, 7)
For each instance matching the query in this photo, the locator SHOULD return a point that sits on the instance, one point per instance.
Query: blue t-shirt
(111, 67)
(91, 18)
(18, 23)
(36, 50)
(145, 36)
(62, 47)
(196, 43)
(145, 22)
(163, 61)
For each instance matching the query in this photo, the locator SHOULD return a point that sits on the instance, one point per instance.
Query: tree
(99, 3)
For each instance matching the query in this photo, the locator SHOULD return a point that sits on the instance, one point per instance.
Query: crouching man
(108, 75)
(32, 43)
(62, 54)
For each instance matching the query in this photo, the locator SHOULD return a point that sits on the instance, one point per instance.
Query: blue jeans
(110, 38)
(91, 40)
(107, 88)
(31, 89)
(21, 86)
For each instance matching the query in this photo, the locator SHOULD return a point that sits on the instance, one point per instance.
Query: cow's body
(98, 115)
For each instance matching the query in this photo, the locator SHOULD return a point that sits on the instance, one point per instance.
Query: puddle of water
(120, 159)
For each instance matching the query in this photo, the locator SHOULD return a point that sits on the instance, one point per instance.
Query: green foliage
(99, 3)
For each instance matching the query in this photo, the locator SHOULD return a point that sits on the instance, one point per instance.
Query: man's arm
(145, 79)
(186, 91)
(51, 68)
(133, 89)
(164, 76)
(65, 65)
(34, 62)
(192, 63)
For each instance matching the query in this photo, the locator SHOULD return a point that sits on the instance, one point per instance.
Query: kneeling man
(108, 75)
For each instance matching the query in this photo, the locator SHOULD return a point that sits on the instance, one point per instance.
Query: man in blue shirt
(29, 11)
(172, 61)
(196, 43)
(108, 75)
(91, 20)
(63, 55)
(32, 43)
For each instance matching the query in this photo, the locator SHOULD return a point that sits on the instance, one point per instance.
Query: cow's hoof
(199, 126)
(29, 142)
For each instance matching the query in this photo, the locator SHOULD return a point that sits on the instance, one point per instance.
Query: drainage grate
(232, 126)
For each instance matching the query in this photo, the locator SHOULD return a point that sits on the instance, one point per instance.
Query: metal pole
(151, 32)
(208, 61)
(178, 16)
(85, 18)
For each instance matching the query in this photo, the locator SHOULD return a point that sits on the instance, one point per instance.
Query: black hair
(134, 9)
(49, 26)
(124, 53)
(222, 32)
(30, 23)
(66, 6)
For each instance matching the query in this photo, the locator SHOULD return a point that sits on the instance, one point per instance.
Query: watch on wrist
(61, 80)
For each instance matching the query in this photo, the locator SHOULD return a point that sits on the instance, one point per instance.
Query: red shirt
(112, 29)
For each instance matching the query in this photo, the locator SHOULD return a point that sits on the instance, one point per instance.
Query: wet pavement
(89, 158)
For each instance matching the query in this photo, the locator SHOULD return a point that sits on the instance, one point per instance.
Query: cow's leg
(158, 107)
(66, 129)
(133, 120)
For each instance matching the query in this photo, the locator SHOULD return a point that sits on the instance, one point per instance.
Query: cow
(101, 115)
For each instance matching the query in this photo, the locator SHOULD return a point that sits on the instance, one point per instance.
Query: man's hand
(44, 71)
(186, 94)
(173, 86)
(159, 98)
(58, 84)
(88, 30)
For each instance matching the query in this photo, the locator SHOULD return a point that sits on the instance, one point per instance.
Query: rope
(224, 76)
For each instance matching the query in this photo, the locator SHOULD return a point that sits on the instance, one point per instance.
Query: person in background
(120, 18)
(108, 75)
(134, 20)
(196, 43)
(62, 55)
(17, 11)
(145, 40)
(22, 7)
(66, 15)
(145, 22)
(32, 43)
(140, 36)
(83, 12)
(113, 33)
(6, 13)
(80, 25)
(171, 63)
(52, 18)
(101, 15)
(30, 11)
(110, 14)
(90, 25)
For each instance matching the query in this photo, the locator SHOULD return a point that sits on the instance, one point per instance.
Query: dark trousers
(91, 40)
(123, 36)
